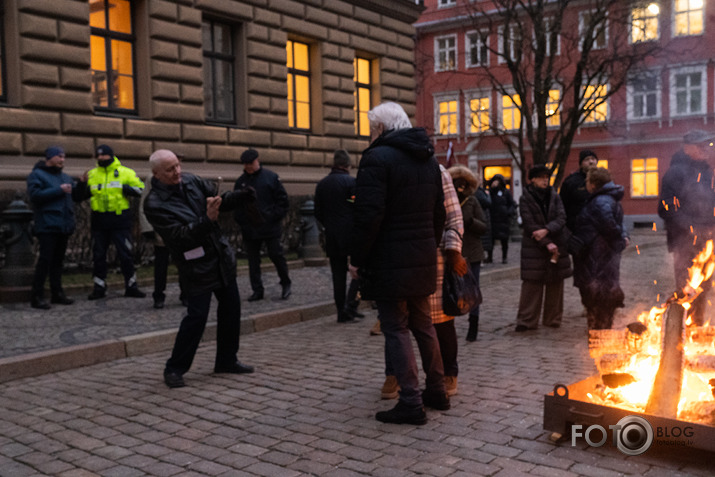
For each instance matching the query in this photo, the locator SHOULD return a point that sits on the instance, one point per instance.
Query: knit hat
(104, 149)
(249, 155)
(539, 170)
(584, 154)
(53, 151)
(697, 136)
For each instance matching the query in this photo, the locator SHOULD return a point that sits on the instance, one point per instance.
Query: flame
(627, 353)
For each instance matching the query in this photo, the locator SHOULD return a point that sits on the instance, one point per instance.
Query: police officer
(108, 186)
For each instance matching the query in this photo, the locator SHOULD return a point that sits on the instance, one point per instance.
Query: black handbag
(459, 293)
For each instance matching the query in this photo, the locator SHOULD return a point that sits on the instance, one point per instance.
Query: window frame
(672, 100)
(446, 3)
(108, 36)
(446, 98)
(210, 59)
(514, 107)
(483, 46)
(292, 86)
(470, 96)
(557, 112)
(358, 87)
(438, 52)
(687, 12)
(631, 95)
(645, 19)
(548, 22)
(500, 47)
(646, 172)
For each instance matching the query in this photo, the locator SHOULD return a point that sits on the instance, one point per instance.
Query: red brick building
(634, 133)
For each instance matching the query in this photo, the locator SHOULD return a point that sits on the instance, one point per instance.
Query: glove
(247, 194)
(456, 262)
(149, 235)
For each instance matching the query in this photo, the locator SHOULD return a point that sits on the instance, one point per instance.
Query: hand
(539, 234)
(353, 272)
(628, 241)
(66, 188)
(552, 248)
(84, 177)
(212, 205)
(456, 262)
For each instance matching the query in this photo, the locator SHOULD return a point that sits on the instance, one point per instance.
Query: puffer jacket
(334, 200)
(54, 209)
(535, 258)
(399, 216)
(204, 257)
(600, 231)
(687, 199)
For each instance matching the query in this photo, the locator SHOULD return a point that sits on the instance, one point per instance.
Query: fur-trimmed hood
(462, 172)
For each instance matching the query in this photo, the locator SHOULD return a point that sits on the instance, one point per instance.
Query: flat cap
(697, 136)
(249, 155)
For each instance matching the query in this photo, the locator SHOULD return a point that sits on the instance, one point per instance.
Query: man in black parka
(184, 209)
(262, 222)
(334, 201)
(399, 217)
(687, 202)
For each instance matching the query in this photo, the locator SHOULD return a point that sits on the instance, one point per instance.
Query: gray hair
(158, 156)
(390, 115)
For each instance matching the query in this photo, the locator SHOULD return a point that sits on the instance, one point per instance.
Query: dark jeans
(122, 240)
(275, 253)
(50, 260)
(192, 327)
(397, 319)
(682, 260)
(161, 267)
(476, 268)
(447, 337)
(339, 271)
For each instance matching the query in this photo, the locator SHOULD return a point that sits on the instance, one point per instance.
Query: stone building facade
(57, 55)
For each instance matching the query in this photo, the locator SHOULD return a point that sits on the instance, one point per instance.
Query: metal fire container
(16, 235)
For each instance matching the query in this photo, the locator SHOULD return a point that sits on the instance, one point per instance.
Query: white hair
(390, 115)
(158, 156)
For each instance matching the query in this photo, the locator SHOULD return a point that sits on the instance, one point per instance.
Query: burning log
(668, 383)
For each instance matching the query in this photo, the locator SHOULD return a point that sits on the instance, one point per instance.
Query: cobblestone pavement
(309, 408)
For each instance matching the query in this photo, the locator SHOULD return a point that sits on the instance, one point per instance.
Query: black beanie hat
(104, 149)
(584, 154)
(249, 155)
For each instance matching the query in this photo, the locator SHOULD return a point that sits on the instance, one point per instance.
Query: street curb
(70, 357)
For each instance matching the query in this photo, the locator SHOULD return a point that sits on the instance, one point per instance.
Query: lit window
(447, 117)
(511, 114)
(687, 90)
(644, 177)
(362, 75)
(595, 107)
(645, 22)
(219, 97)
(491, 171)
(446, 53)
(479, 114)
(644, 96)
(596, 23)
(477, 49)
(688, 17)
(509, 44)
(553, 116)
(112, 52)
(298, 85)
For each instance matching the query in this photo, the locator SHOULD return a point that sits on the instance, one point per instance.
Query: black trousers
(341, 293)
(122, 240)
(275, 253)
(228, 329)
(49, 262)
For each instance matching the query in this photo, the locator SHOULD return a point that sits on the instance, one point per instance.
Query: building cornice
(404, 10)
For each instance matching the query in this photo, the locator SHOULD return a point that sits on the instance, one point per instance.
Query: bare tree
(560, 61)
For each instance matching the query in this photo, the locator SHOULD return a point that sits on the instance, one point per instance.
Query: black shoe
(521, 328)
(345, 318)
(61, 299)
(352, 312)
(257, 295)
(158, 303)
(285, 293)
(436, 400)
(40, 303)
(174, 380)
(401, 414)
(134, 292)
(97, 293)
(235, 368)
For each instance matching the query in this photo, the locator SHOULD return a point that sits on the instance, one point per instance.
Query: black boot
(39, 302)
(489, 257)
(473, 328)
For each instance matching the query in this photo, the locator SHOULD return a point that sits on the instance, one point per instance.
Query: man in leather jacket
(184, 209)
